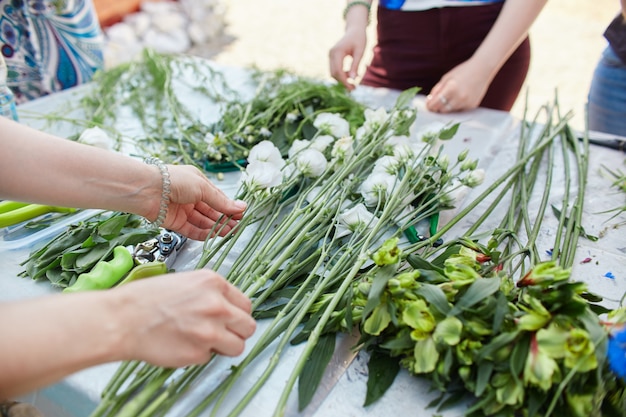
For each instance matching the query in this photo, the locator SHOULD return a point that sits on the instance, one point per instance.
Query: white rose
(298, 146)
(322, 142)
(355, 219)
(266, 151)
(376, 186)
(261, 175)
(311, 163)
(332, 124)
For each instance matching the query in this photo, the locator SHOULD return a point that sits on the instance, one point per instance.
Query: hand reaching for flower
(196, 205)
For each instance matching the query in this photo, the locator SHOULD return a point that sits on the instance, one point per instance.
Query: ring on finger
(443, 100)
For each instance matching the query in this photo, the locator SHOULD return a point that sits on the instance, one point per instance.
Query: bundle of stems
(300, 272)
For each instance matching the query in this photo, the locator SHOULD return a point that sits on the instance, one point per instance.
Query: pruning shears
(413, 236)
(152, 257)
(14, 212)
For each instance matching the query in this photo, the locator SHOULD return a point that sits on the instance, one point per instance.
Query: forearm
(46, 339)
(41, 168)
(509, 30)
(357, 16)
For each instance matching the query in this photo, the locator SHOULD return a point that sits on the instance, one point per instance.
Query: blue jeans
(607, 95)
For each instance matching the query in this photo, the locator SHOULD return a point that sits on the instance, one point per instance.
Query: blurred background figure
(461, 53)
(607, 93)
(49, 45)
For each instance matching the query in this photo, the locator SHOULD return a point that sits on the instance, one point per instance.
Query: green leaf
(112, 226)
(478, 291)
(379, 283)
(496, 344)
(405, 98)
(435, 297)
(418, 262)
(378, 320)
(448, 133)
(313, 369)
(383, 370)
(519, 355)
(485, 369)
(581, 232)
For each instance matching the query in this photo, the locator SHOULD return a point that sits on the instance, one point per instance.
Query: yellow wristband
(357, 3)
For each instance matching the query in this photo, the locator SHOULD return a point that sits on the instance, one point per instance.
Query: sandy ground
(297, 34)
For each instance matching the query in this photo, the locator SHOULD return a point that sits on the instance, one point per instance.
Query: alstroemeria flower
(388, 254)
(343, 148)
(261, 175)
(544, 273)
(332, 124)
(298, 146)
(355, 219)
(377, 186)
(540, 369)
(266, 151)
(97, 137)
(322, 142)
(311, 163)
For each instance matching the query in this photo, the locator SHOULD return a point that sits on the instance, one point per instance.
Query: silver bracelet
(165, 192)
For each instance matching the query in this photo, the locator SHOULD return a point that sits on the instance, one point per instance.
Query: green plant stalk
(302, 311)
(499, 181)
(276, 328)
(134, 406)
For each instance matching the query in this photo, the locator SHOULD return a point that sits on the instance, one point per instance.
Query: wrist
(357, 13)
(164, 195)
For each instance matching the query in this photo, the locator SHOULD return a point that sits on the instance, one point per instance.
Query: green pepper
(105, 274)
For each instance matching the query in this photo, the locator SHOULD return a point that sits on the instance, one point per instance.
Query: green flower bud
(364, 287)
(469, 165)
(461, 157)
(580, 405)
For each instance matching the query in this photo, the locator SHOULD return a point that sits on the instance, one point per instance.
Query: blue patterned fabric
(49, 45)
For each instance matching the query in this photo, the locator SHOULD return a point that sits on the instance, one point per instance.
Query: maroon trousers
(416, 48)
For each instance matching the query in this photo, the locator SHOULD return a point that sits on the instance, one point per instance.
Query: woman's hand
(181, 319)
(460, 89)
(352, 44)
(196, 205)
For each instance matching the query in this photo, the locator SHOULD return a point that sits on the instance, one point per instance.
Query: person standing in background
(49, 45)
(461, 53)
(607, 94)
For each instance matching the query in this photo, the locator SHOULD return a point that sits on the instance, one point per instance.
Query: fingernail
(429, 97)
(241, 204)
